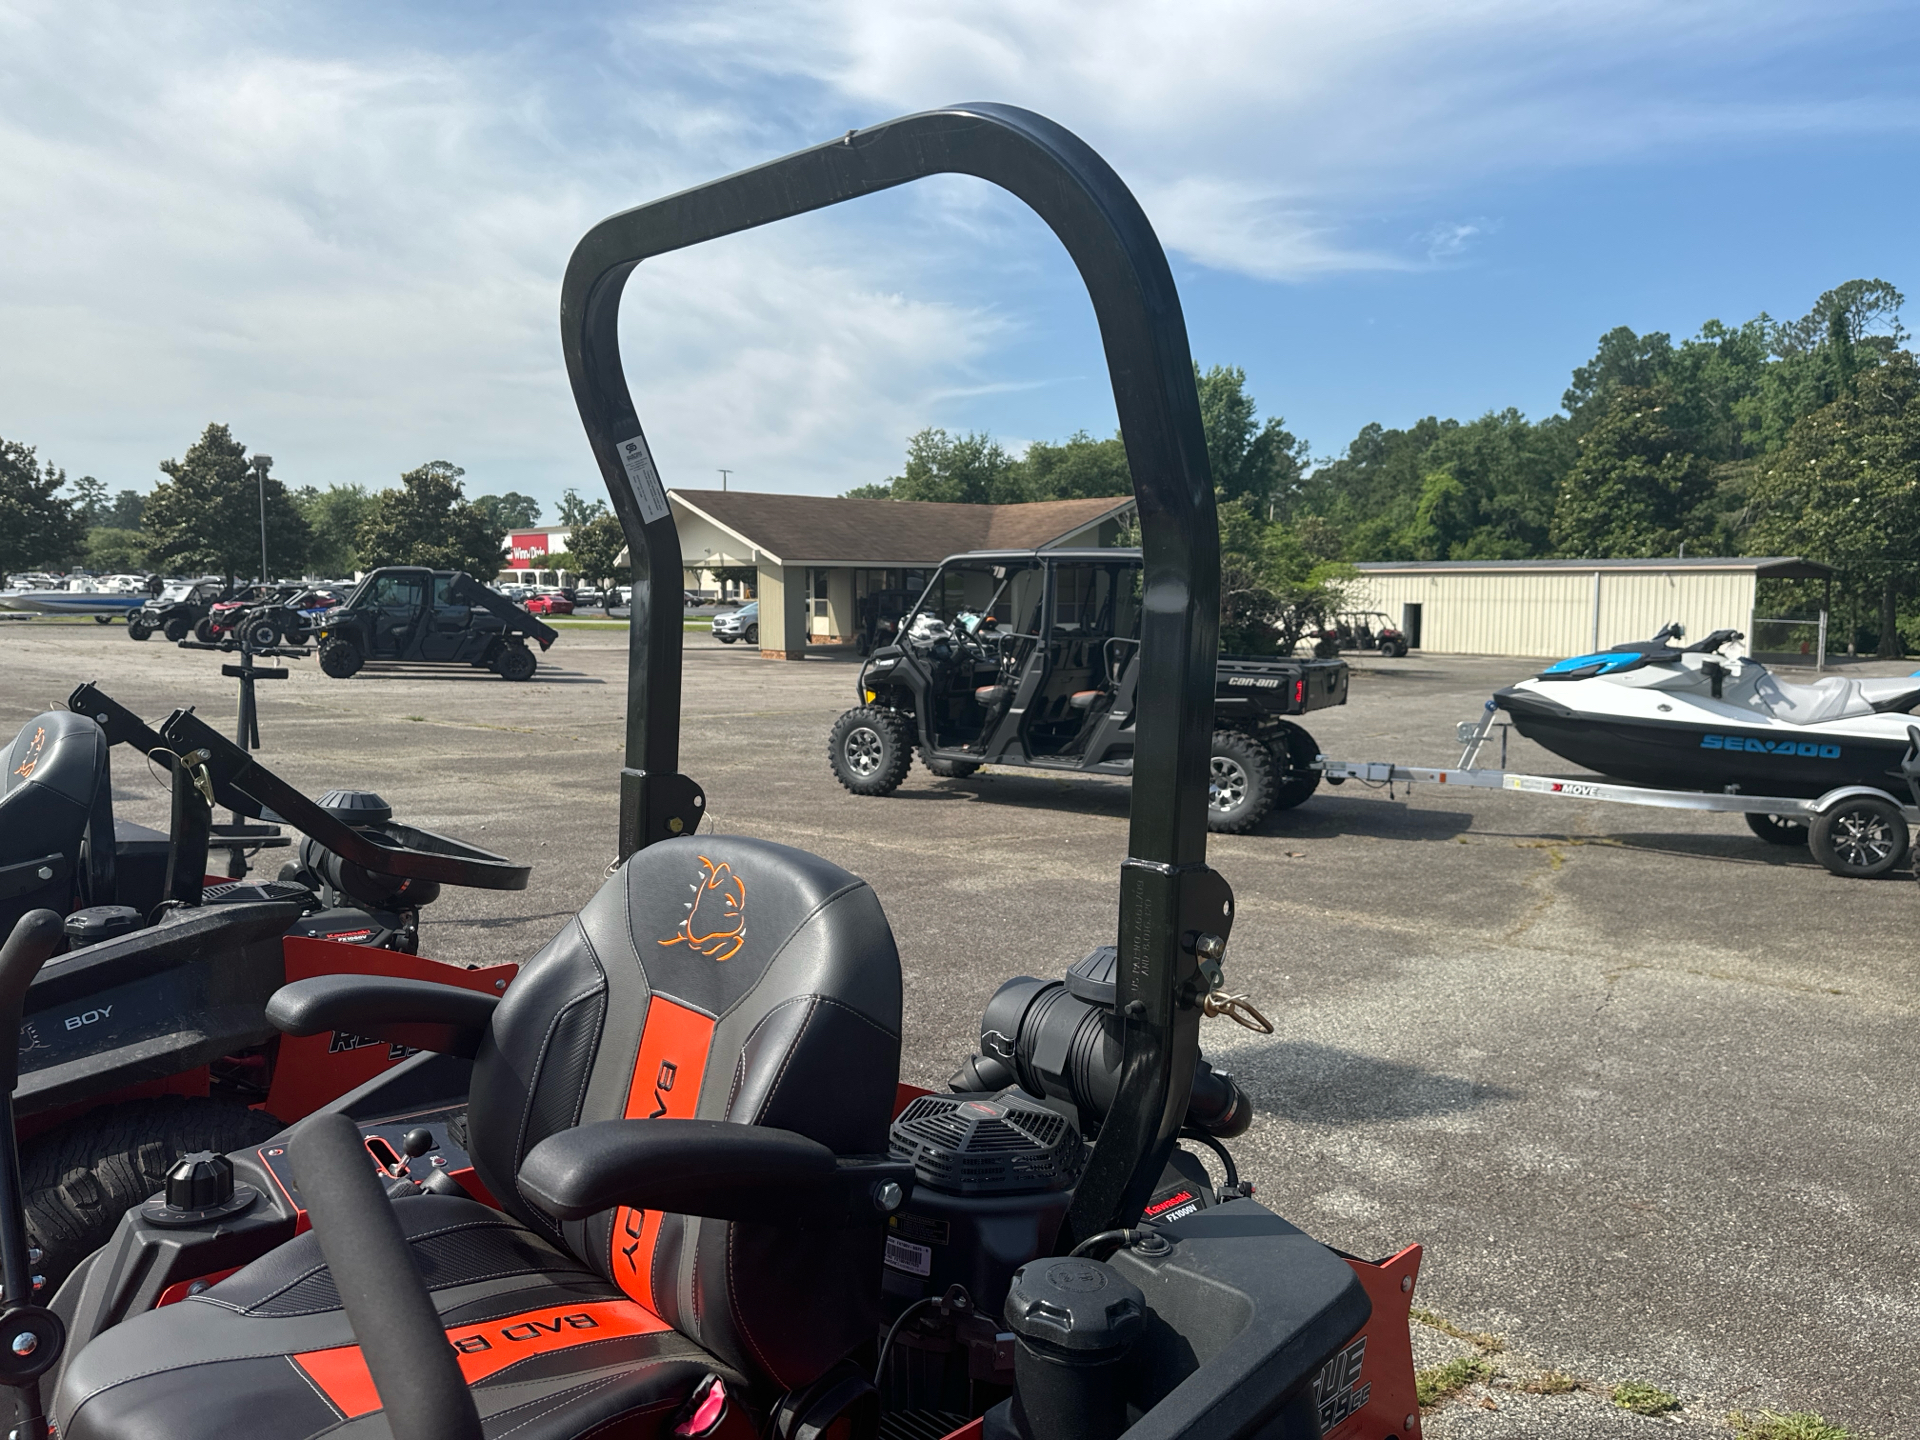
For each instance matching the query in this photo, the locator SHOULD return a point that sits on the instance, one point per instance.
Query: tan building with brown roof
(822, 560)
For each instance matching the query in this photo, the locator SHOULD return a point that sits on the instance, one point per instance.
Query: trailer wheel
(139, 629)
(948, 769)
(1294, 752)
(516, 662)
(1778, 829)
(176, 630)
(81, 1177)
(1860, 838)
(1241, 786)
(341, 658)
(869, 751)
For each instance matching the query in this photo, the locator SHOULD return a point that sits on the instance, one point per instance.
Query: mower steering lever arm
(711, 1168)
(442, 1018)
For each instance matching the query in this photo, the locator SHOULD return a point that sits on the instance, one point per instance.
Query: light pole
(262, 464)
(723, 478)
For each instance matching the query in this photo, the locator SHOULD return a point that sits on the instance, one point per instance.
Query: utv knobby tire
(176, 630)
(80, 1177)
(203, 631)
(1778, 829)
(949, 769)
(516, 662)
(1294, 752)
(262, 634)
(1861, 838)
(1240, 783)
(139, 629)
(869, 751)
(341, 659)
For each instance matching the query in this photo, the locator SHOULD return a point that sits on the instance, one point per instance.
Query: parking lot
(1641, 1085)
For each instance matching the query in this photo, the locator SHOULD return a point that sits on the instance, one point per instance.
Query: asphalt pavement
(1642, 1086)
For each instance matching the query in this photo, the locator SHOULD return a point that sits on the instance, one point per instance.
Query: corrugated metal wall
(1551, 613)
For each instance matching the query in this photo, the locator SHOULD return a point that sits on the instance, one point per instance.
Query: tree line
(205, 517)
(1798, 438)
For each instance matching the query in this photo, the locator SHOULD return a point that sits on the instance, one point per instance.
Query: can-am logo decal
(716, 921)
(1807, 749)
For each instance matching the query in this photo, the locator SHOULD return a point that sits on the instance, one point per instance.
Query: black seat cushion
(552, 1348)
(56, 799)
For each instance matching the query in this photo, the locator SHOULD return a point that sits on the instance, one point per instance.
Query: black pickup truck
(1025, 657)
(429, 617)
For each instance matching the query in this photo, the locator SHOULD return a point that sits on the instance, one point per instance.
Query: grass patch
(1799, 1425)
(417, 719)
(1551, 1383)
(1443, 1382)
(1479, 1339)
(1643, 1399)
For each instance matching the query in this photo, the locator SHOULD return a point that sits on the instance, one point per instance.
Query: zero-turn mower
(669, 1183)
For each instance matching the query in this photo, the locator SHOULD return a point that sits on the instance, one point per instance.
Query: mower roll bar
(1168, 896)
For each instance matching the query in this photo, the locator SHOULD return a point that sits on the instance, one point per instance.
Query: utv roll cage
(1169, 898)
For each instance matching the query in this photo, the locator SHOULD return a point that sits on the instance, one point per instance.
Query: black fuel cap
(356, 807)
(100, 922)
(1085, 1306)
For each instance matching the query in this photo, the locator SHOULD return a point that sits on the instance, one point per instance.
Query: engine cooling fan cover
(1001, 1143)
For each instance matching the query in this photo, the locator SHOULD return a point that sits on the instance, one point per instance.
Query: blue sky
(340, 228)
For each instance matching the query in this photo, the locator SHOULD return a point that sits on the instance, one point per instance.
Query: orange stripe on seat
(341, 1373)
(666, 1083)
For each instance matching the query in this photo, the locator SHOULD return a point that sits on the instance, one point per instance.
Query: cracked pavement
(1642, 1085)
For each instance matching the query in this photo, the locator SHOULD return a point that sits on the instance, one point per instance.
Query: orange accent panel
(308, 1072)
(1380, 1377)
(341, 1373)
(904, 1095)
(665, 1085)
(972, 1430)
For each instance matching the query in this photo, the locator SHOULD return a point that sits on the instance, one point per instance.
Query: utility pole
(723, 480)
(262, 464)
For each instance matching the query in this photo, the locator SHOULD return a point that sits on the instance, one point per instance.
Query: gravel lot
(1642, 1086)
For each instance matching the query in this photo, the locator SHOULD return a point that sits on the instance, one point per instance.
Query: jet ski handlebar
(1712, 643)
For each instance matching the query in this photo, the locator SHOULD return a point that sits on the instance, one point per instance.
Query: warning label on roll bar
(643, 479)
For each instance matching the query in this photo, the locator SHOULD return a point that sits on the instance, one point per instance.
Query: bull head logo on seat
(716, 921)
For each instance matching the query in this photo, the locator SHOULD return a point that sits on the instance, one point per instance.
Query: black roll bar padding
(35, 936)
(400, 1334)
(1166, 888)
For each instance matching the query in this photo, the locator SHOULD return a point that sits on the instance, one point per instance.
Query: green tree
(206, 514)
(38, 526)
(123, 511)
(429, 521)
(90, 500)
(511, 511)
(595, 548)
(1845, 488)
(1623, 360)
(1077, 468)
(335, 516)
(970, 469)
(112, 550)
(1260, 463)
(1637, 489)
(576, 512)
(1272, 592)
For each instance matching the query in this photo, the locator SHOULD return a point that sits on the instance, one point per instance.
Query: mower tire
(1294, 752)
(139, 629)
(203, 631)
(948, 769)
(869, 751)
(341, 658)
(262, 634)
(1778, 829)
(176, 630)
(1241, 786)
(515, 662)
(1861, 838)
(81, 1177)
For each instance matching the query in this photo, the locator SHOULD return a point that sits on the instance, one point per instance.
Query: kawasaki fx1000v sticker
(1806, 749)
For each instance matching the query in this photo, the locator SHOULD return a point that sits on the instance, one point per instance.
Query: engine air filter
(987, 1144)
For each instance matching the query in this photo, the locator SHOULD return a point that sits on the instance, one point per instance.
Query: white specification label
(907, 1256)
(643, 479)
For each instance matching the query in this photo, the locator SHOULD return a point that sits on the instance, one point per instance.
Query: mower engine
(358, 905)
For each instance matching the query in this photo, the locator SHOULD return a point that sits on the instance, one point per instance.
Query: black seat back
(722, 979)
(56, 800)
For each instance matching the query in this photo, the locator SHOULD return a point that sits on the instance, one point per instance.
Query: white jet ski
(1692, 718)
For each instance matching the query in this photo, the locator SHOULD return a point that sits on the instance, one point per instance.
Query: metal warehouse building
(1567, 607)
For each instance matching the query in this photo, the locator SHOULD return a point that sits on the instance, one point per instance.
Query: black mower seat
(714, 978)
(1085, 699)
(56, 818)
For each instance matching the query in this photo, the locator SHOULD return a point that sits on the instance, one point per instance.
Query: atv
(286, 619)
(670, 1184)
(146, 1035)
(435, 617)
(1031, 657)
(175, 611)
